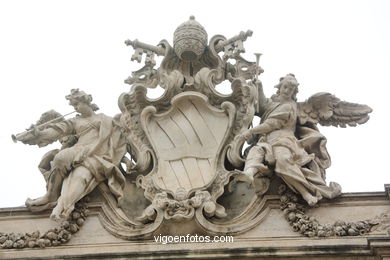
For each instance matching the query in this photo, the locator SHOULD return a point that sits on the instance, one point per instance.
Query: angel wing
(328, 110)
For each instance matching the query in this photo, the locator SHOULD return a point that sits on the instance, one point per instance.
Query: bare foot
(240, 176)
(263, 170)
(37, 202)
(66, 212)
(55, 217)
(310, 199)
(245, 177)
(261, 185)
(56, 213)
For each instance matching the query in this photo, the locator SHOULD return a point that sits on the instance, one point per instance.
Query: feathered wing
(328, 110)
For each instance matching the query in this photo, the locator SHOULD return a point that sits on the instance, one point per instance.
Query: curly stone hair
(77, 96)
(288, 79)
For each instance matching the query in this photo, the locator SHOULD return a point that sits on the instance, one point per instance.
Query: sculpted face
(287, 90)
(82, 108)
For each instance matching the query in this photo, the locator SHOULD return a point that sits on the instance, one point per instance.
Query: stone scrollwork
(193, 149)
(146, 75)
(189, 131)
(190, 54)
(179, 208)
(186, 146)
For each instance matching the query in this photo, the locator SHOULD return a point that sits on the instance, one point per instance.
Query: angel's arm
(129, 164)
(52, 133)
(267, 126)
(276, 120)
(105, 129)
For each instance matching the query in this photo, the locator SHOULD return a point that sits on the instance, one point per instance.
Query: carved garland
(53, 237)
(294, 213)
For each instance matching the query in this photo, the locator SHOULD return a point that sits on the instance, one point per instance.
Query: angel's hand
(86, 153)
(238, 137)
(257, 83)
(129, 166)
(245, 135)
(31, 137)
(36, 132)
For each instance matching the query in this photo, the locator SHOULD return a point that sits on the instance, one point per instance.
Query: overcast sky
(50, 47)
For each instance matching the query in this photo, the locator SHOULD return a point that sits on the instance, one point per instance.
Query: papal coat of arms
(181, 157)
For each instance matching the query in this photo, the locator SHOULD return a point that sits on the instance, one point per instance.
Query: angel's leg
(310, 199)
(60, 166)
(292, 174)
(254, 162)
(53, 190)
(79, 183)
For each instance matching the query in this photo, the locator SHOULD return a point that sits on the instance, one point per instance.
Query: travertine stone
(289, 143)
(175, 165)
(272, 239)
(94, 154)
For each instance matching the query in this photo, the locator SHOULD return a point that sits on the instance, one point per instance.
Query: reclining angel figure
(77, 169)
(290, 144)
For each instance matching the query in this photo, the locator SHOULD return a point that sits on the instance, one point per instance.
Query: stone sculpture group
(184, 150)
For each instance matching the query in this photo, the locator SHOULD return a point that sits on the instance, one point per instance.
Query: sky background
(50, 47)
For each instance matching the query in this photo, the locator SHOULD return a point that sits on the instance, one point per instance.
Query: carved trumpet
(23, 135)
(257, 64)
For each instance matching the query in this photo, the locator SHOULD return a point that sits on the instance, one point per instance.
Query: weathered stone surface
(273, 237)
(175, 166)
